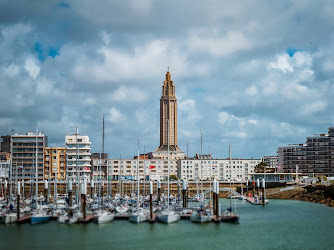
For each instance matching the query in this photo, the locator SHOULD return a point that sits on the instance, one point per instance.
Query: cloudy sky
(254, 74)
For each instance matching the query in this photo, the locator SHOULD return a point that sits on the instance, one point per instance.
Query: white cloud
(115, 115)
(129, 94)
(251, 91)
(142, 117)
(45, 86)
(282, 63)
(139, 65)
(12, 70)
(143, 7)
(271, 88)
(302, 59)
(223, 117)
(215, 45)
(314, 107)
(248, 127)
(32, 67)
(11, 32)
(255, 122)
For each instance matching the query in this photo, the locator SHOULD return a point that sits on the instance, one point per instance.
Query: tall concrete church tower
(168, 111)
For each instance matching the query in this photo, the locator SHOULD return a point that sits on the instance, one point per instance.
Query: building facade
(55, 163)
(78, 156)
(271, 162)
(24, 155)
(198, 168)
(314, 156)
(4, 170)
(127, 168)
(5, 143)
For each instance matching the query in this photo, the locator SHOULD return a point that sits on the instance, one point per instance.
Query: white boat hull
(122, 209)
(68, 220)
(105, 218)
(200, 218)
(138, 218)
(169, 218)
(9, 218)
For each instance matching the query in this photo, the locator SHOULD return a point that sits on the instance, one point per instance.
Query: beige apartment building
(55, 163)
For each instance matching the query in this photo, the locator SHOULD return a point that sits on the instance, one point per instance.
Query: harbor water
(283, 224)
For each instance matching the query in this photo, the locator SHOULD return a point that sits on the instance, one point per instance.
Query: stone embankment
(317, 194)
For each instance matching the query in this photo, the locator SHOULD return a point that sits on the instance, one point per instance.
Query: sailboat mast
(103, 135)
(144, 189)
(11, 170)
(168, 164)
(210, 171)
(36, 188)
(202, 197)
(99, 182)
(138, 178)
(77, 165)
(55, 183)
(229, 152)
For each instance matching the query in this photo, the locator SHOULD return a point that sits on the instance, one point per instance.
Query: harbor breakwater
(316, 194)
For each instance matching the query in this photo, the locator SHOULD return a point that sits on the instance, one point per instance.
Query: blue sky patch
(292, 51)
(39, 51)
(198, 90)
(53, 52)
(63, 5)
(42, 54)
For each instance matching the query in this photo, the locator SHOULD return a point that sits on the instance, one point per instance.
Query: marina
(254, 231)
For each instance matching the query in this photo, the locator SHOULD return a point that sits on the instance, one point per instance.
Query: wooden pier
(23, 219)
(89, 218)
(252, 201)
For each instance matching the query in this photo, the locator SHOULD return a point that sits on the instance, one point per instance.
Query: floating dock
(23, 219)
(89, 218)
(253, 201)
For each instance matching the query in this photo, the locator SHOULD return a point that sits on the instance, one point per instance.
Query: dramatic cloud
(257, 75)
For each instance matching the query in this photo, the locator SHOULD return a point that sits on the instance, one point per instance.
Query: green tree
(173, 178)
(259, 168)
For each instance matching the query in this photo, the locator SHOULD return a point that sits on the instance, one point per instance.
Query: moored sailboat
(228, 215)
(168, 216)
(139, 215)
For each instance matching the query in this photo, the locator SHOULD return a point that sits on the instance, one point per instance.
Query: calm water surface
(283, 224)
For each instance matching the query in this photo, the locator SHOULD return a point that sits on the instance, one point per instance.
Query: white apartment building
(127, 168)
(4, 170)
(272, 162)
(173, 155)
(153, 169)
(220, 169)
(24, 158)
(78, 156)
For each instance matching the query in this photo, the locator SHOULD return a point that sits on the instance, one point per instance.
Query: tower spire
(168, 112)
